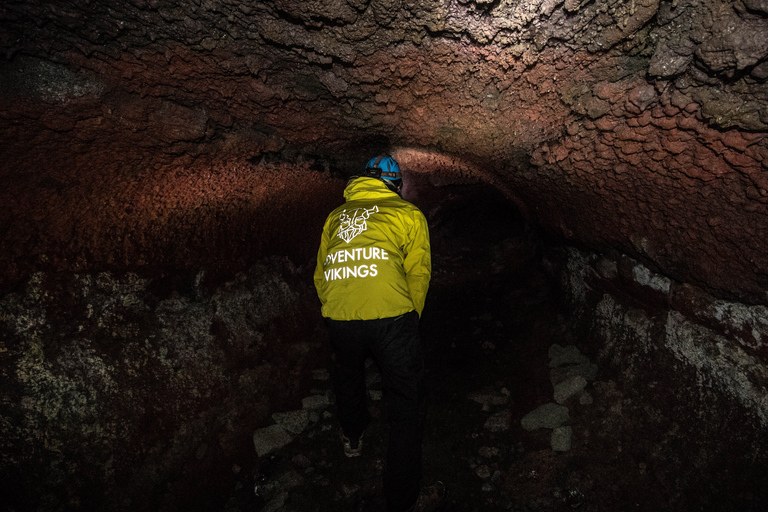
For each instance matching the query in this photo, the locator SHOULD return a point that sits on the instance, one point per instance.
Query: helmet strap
(391, 186)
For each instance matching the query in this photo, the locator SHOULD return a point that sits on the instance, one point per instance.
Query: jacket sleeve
(417, 261)
(322, 252)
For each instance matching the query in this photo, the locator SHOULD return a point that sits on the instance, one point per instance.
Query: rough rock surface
(638, 125)
(546, 416)
(118, 390)
(156, 137)
(639, 441)
(640, 319)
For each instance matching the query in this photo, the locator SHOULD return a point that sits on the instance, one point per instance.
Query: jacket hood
(367, 188)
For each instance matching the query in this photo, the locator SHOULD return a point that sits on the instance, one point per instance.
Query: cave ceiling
(630, 125)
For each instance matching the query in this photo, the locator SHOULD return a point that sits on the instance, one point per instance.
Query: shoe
(352, 448)
(430, 498)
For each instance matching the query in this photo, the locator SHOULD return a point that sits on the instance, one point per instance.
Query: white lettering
(358, 254)
(334, 274)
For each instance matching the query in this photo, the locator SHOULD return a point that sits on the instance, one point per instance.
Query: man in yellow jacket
(372, 275)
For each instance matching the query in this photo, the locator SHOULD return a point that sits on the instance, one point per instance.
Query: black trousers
(395, 345)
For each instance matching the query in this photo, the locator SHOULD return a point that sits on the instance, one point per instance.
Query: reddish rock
(739, 159)
(181, 90)
(674, 147)
(629, 147)
(735, 140)
(606, 123)
(645, 118)
(665, 123)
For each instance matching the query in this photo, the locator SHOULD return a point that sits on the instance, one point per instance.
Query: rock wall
(124, 392)
(160, 137)
(673, 345)
(191, 214)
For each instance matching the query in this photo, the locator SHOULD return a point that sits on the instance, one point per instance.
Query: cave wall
(690, 367)
(647, 327)
(125, 392)
(147, 139)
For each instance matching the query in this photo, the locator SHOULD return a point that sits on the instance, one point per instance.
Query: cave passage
(498, 347)
(530, 407)
(486, 362)
(595, 175)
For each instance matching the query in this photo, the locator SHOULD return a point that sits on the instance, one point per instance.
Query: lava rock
(569, 387)
(268, 439)
(316, 402)
(292, 421)
(550, 415)
(561, 439)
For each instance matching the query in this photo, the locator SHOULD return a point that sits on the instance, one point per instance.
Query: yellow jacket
(374, 259)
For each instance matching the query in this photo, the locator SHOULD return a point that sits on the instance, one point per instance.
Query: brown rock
(643, 96)
(606, 123)
(674, 147)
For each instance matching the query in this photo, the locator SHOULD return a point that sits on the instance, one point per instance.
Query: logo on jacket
(353, 222)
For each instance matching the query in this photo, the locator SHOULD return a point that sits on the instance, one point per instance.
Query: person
(372, 276)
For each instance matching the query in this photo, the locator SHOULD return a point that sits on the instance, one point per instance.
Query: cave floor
(487, 331)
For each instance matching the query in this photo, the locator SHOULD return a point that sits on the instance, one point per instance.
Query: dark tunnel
(595, 180)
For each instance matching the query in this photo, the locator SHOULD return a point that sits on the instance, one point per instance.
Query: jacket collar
(367, 188)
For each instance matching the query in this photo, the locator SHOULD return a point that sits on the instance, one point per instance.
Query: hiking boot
(352, 448)
(430, 498)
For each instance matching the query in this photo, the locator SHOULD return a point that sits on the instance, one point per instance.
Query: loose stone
(349, 490)
(276, 503)
(292, 421)
(569, 387)
(269, 439)
(316, 402)
(550, 415)
(488, 452)
(487, 398)
(483, 471)
(561, 439)
(560, 356)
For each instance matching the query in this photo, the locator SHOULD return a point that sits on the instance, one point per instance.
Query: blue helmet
(384, 167)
